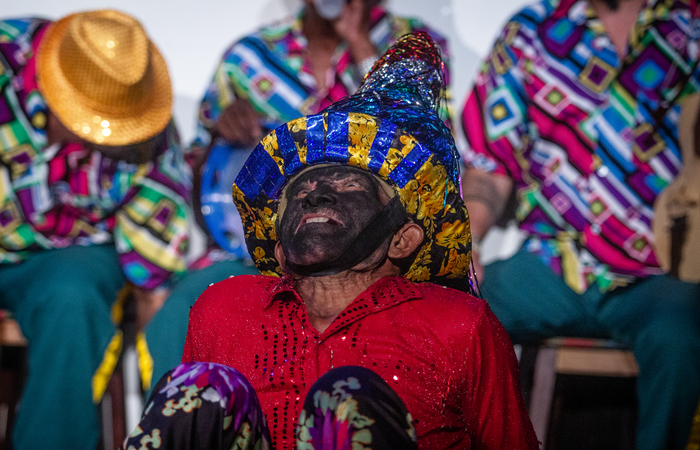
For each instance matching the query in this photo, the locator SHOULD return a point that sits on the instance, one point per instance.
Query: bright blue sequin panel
(380, 145)
(337, 142)
(288, 149)
(315, 139)
(408, 166)
(264, 176)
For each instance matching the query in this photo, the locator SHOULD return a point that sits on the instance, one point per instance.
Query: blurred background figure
(577, 108)
(281, 72)
(93, 191)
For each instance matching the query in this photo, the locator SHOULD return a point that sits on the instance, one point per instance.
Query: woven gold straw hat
(104, 79)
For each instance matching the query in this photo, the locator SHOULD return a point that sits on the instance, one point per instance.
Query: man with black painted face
(331, 240)
(343, 241)
(327, 208)
(354, 218)
(280, 72)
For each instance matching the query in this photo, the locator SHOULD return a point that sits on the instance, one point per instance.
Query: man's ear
(405, 241)
(279, 254)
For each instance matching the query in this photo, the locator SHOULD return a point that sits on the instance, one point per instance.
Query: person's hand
(353, 27)
(240, 124)
(148, 303)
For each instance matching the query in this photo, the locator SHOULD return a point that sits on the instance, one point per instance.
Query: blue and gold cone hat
(390, 128)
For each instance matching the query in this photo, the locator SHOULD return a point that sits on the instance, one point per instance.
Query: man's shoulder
(277, 30)
(450, 313)
(238, 293)
(16, 28)
(20, 32)
(531, 15)
(448, 301)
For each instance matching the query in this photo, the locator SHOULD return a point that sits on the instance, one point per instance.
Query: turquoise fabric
(61, 299)
(657, 317)
(166, 333)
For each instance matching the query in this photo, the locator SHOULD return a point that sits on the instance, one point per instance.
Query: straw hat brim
(70, 106)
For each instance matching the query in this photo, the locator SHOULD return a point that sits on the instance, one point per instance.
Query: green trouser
(657, 317)
(165, 334)
(61, 299)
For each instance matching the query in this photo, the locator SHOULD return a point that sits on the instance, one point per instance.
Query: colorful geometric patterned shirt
(588, 138)
(64, 194)
(271, 69)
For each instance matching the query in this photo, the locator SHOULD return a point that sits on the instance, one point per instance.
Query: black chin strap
(379, 229)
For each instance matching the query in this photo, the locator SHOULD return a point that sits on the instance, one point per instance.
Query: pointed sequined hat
(389, 128)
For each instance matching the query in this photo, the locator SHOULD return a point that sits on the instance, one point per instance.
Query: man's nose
(321, 196)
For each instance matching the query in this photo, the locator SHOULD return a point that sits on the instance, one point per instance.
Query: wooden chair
(572, 356)
(13, 368)
(13, 372)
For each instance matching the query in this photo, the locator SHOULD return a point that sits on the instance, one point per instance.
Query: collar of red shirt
(383, 294)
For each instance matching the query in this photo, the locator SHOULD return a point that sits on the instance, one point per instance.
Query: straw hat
(677, 209)
(104, 79)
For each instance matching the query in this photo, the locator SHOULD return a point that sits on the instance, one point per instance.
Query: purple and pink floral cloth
(211, 406)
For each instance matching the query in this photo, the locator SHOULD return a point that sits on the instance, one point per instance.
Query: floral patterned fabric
(201, 406)
(206, 406)
(352, 408)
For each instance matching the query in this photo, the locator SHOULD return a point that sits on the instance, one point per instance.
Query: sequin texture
(441, 350)
(390, 128)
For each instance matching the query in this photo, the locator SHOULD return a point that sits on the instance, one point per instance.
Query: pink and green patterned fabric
(589, 139)
(271, 70)
(60, 195)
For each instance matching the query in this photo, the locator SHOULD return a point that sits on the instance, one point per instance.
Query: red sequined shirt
(443, 352)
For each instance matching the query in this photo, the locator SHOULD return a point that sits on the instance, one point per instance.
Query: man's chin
(310, 256)
(311, 260)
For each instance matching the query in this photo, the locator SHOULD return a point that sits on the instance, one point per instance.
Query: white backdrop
(192, 35)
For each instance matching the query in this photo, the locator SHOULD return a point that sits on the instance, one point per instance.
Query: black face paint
(327, 210)
(612, 4)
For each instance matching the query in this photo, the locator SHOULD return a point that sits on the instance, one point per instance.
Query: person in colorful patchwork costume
(577, 109)
(297, 67)
(355, 220)
(281, 72)
(93, 195)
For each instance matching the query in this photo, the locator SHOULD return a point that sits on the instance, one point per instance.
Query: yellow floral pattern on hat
(361, 133)
(431, 199)
(453, 235)
(424, 195)
(296, 127)
(269, 143)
